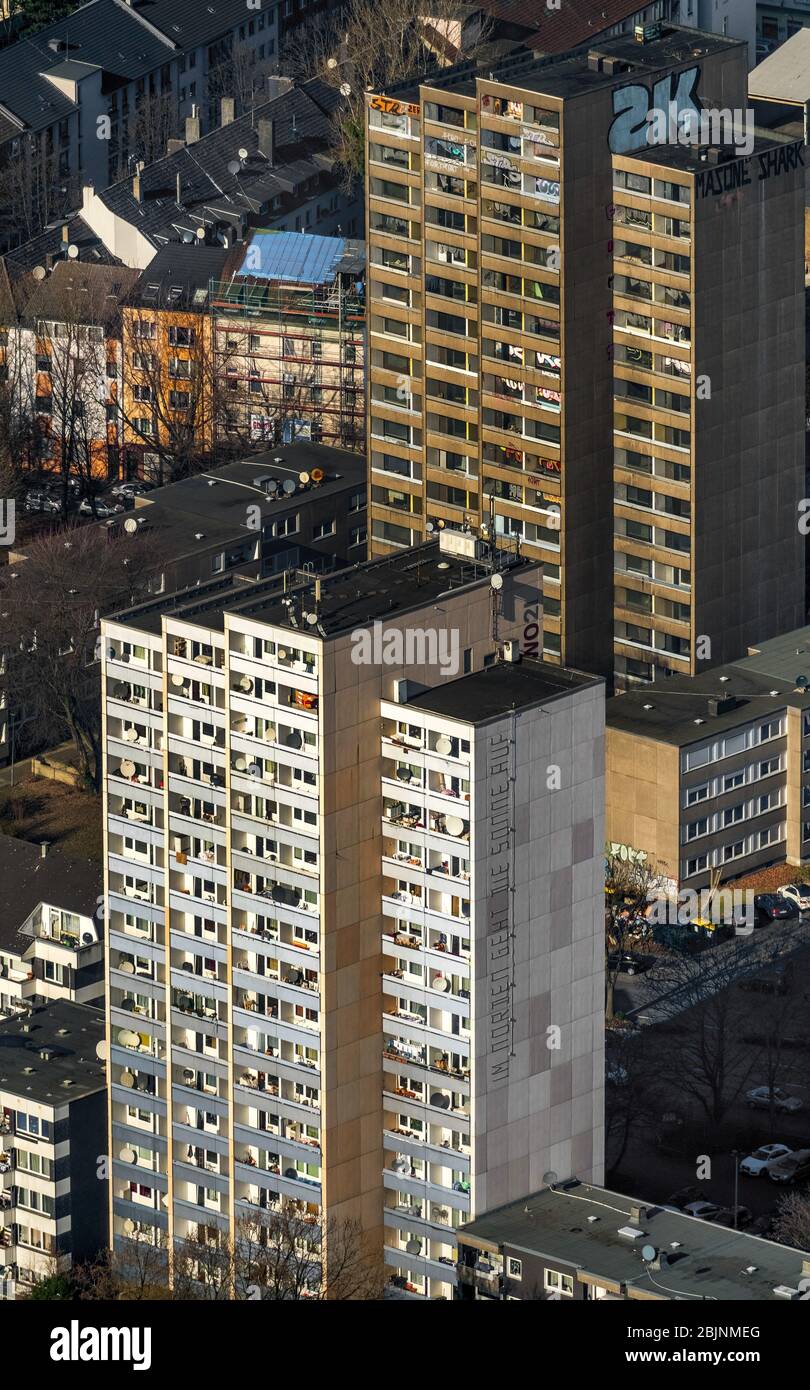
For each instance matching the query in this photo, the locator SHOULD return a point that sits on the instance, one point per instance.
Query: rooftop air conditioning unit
(461, 543)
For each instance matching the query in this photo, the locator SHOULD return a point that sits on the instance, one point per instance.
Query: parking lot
(737, 1037)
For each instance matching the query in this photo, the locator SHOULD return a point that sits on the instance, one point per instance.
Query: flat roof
(71, 1032)
(570, 75)
(350, 598)
(215, 503)
(489, 694)
(785, 74)
(578, 1224)
(762, 684)
(693, 159)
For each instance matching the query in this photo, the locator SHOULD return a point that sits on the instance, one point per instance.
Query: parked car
(679, 1199)
(705, 1211)
(791, 1168)
(628, 962)
(102, 509)
(798, 893)
(769, 907)
(762, 1098)
(133, 488)
(744, 1217)
(756, 1165)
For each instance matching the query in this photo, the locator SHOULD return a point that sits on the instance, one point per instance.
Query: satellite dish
(496, 582)
(455, 825)
(73, 252)
(130, 526)
(187, 237)
(303, 478)
(126, 967)
(127, 768)
(234, 167)
(802, 682)
(444, 744)
(129, 1226)
(38, 273)
(317, 475)
(550, 1177)
(101, 1050)
(240, 764)
(288, 487)
(200, 233)
(648, 1253)
(331, 62)
(128, 1079)
(311, 618)
(128, 1155)
(345, 89)
(129, 1039)
(429, 527)
(414, 1246)
(177, 679)
(245, 683)
(242, 152)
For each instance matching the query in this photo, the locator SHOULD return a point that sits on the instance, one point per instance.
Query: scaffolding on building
(275, 334)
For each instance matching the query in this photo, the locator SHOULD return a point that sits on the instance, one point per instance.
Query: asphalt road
(658, 993)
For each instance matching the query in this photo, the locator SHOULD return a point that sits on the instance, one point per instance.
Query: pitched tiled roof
(558, 30)
(92, 292)
(50, 242)
(209, 192)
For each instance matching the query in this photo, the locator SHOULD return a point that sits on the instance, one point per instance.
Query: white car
(798, 893)
(762, 1098)
(757, 1164)
(705, 1211)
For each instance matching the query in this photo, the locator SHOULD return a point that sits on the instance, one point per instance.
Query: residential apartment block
(711, 775)
(573, 1240)
(53, 1104)
(51, 946)
(79, 98)
(493, 338)
(270, 897)
(709, 403)
(289, 340)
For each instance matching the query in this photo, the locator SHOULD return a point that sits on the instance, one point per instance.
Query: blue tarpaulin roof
(300, 258)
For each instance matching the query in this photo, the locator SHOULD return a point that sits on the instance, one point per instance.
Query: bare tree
(275, 1257)
(172, 403)
(630, 888)
(33, 189)
(241, 75)
(51, 603)
(791, 1225)
(374, 47)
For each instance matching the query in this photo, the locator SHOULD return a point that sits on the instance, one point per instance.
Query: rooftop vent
(631, 1232)
(722, 704)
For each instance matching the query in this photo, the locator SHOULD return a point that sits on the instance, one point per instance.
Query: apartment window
(514, 1268)
(697, 828)
(695, 794)
(695, 866)
(554, 1282)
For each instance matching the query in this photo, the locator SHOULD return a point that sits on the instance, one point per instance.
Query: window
(514, 1268)
(555, 1282)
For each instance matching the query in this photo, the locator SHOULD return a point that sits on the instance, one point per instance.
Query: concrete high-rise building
(491, 210)
(347, 919)
(709, 404)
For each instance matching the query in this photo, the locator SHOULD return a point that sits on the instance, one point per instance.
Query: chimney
(227, 111)
(65, 234)
(277, 86)
(806, 1269)
(136, 188)
(267, 139)
(43, 849)
(173, 145)
(192, 127)
(179, 190)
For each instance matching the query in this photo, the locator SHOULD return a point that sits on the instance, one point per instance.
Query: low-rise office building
(53, 1108)
(713, 773)
(576, 1241)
